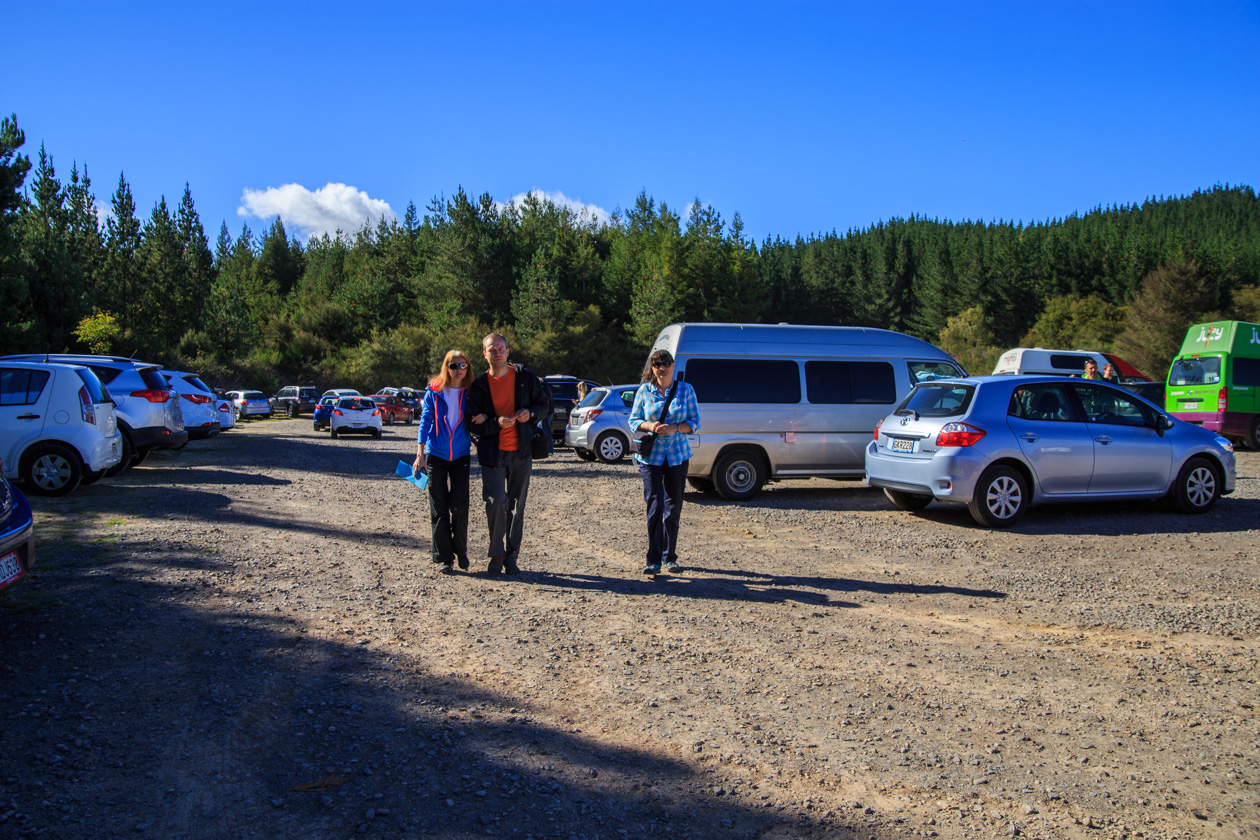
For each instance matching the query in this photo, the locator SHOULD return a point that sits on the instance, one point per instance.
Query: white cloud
(328, 209)
(593, 211)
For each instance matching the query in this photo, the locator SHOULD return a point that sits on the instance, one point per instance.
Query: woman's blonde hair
(443, 378)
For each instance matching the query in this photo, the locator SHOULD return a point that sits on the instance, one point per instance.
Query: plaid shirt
(648, 403)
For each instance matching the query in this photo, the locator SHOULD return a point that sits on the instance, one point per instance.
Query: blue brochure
(404, 470)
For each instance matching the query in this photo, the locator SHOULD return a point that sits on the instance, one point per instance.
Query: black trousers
(448, 507)
(663, 491)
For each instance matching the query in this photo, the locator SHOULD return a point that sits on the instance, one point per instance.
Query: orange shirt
(503, 395)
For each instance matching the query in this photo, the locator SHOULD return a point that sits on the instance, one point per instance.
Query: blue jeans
(663, 491)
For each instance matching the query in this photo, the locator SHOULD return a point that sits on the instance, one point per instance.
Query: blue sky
(802, 117)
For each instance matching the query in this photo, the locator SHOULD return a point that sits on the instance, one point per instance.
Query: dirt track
(246, 640)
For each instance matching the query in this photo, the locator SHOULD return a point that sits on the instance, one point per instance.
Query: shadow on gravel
(736, 585)
(133, 707)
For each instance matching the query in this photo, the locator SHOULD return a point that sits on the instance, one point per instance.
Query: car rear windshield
(1195, 370)
(309, 392)
(153, 378)
(358, 403)
(195, 381)
(92, 382)
(253, 395)
(943, 400)
(594, 397)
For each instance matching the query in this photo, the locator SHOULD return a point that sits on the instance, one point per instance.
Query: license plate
(10, 568)
(1190, 406)
(902, 445)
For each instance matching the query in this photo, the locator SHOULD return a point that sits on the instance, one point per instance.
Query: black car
(295, 399)
(1153, 391)
(564, 394)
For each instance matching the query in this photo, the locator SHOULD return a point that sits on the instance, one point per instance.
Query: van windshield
(1195, 370)
(931, 371)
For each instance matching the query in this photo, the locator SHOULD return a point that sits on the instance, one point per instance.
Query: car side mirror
(1162, 424)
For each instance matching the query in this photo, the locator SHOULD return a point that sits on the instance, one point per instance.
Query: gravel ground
(246, 639)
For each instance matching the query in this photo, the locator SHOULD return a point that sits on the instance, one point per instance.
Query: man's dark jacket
(529, 394)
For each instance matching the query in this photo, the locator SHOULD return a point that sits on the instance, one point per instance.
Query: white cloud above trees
(328, 209)
(559, 199)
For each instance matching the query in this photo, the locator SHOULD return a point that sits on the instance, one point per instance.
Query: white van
(1035, 360)
(787, 401)
(57, 426)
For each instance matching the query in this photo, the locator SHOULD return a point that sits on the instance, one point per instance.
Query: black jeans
(663, 491)
(504, 489)
(448, 507)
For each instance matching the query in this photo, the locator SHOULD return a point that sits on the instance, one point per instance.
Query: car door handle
(1103, 439)
(1030, 437)
(28, 417)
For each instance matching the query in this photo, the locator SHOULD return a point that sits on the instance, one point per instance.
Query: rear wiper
(909, 411)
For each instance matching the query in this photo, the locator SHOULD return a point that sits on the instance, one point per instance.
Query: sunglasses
(662, 364)
(458, 366)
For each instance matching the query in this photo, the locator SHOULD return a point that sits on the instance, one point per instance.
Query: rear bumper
(158, 437)
(18, 538)
(1230, 424)
(948, 475)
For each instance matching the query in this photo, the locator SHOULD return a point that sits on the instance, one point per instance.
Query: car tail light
(153, 395)
(376, 413)
(592, 414)
(226, 407)
(959, 434)
(877, 425)
(86, 408)
(199, 399)
(1222, 400)
(337, 411)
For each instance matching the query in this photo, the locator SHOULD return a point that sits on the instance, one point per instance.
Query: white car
(227, 413)
(340, 392)
(57, 426)
(355, 414)
(250, 403)
(201, 413)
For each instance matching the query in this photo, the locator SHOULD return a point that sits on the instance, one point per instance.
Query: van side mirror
(1162, 424)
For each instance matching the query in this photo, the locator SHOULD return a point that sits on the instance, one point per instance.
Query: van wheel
(704, 485)
(739, 475)
(1253, 437)
(1000, 498)
(1197, 488)
(124, 464)
(51, 469)
(907, 501)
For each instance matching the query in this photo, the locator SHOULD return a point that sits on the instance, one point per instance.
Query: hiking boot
(495, 567)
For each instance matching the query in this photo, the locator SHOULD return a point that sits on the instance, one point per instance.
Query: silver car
(600, 425)
(1000, 443)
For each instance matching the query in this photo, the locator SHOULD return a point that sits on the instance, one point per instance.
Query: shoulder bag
(646, 442)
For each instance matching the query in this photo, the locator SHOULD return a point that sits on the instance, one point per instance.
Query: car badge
(905, 420)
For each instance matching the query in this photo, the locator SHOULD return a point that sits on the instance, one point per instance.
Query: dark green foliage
(1170, 299)
(13, 286)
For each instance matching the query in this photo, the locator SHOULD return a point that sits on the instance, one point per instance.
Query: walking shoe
(510, 568)
(673, 567)
(652, 569)
(496, 566)
(446, 569)
(463, 563)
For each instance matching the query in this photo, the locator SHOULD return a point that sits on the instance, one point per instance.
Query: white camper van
(787, 401)
(1022, 360)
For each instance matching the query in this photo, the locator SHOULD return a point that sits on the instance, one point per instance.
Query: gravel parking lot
(246, 639)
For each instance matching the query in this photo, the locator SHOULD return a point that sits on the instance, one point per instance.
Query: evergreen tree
(197, 258)
(56, 284)
(119, 290)
(13, 287)
(1171, 299)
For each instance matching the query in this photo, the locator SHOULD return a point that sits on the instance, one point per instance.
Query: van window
(762, 381)
(1246, 371)
(1195, 370)
(1066, 361)
(845, 383)
(931, 371)
(21, 387)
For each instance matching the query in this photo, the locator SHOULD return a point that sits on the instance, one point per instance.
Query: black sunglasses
(458, 365)
(662, 364)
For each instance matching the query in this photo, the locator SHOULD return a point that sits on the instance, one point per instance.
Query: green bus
(1215, 380)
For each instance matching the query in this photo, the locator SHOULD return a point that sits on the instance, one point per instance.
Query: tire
(293, 412)
(90, 477)
(739, 475)
(389, 419)
(1000, 499)
(704, 485)
(610, 448)
(376, 433)
(1198, 486)
(408, 420)
(902, 500)
(316, 425)
(124, 463)
(333, 433)
(51, 469)
(141, 454)
(1253, 436)
(585, 454)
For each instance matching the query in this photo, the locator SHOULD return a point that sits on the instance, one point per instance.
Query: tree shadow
(135, 707)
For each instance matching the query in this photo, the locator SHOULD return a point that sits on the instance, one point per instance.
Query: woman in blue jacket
(442, 451)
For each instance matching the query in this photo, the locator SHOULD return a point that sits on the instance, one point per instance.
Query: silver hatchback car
(599, 427)
(1000, 443)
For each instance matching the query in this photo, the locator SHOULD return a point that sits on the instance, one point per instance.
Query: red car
(394, 409)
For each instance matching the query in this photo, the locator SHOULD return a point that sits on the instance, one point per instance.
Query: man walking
(503, 405)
